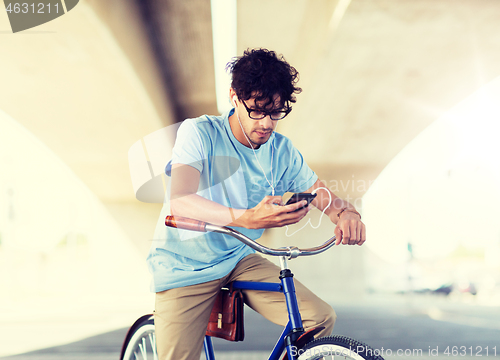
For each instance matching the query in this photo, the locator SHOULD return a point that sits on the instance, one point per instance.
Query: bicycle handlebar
(291, 252)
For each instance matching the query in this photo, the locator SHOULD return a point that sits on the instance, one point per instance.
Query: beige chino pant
(181, 314)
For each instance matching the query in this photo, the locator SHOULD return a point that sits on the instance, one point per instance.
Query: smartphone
(299, 197)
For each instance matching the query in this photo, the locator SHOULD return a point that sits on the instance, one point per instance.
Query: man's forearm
(197, 207)
(337, 207)
(328, 201)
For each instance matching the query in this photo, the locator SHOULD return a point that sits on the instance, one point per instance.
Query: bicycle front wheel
(340, 346)
(142, 342)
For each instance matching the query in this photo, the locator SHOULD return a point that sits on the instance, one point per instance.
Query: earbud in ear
(234, 101)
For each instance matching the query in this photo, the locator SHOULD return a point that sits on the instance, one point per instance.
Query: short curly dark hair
(262, 74)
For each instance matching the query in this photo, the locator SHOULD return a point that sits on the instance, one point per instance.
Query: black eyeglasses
(261, 114)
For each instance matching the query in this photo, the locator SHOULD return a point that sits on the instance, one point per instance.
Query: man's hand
(271, 212)
(350, 230)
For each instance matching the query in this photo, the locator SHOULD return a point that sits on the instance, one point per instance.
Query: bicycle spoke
(152, 341)
(142, 347)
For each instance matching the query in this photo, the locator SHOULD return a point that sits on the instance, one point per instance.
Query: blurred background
(399, 114)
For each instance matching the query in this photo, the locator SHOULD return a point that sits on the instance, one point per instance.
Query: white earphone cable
(309, 220)
(271, 183)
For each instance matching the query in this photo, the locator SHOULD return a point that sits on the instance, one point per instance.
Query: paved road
(394, 325)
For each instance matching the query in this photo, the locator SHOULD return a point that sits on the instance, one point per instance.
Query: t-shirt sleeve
(300, 175)
(188, 148)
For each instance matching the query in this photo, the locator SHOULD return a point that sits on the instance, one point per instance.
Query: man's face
(257, 131)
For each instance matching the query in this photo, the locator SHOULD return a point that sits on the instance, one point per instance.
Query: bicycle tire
(337, 345)
(141, 343)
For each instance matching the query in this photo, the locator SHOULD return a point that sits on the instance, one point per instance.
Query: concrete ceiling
(85, 93)
(374, 73)
(180, 33)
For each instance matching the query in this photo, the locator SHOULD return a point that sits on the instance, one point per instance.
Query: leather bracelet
(346, 209)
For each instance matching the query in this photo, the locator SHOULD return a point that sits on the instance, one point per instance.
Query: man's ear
(233, 96)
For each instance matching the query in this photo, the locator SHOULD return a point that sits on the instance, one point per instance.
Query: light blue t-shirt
(229, 175)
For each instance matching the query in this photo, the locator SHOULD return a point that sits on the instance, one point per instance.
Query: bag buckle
(219, 321)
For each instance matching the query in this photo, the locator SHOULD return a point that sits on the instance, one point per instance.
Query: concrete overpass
(93, 82)
(374, 74)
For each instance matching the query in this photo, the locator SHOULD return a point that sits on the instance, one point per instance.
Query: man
(232, 170)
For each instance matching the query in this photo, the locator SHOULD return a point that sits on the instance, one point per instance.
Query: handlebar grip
(181, 222)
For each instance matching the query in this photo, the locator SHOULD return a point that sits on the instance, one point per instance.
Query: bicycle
(140, 340)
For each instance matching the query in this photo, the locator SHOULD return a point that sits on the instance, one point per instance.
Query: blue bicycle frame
(294, 325)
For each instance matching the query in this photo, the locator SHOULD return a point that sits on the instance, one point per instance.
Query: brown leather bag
(226, 319)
